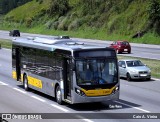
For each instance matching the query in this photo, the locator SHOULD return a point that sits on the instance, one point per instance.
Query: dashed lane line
(65, 110)
(37, 98)
(20, 90)
(42, 100)
(2, 83)
(60, 108)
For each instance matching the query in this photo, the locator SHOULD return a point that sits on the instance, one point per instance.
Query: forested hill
(7, 5)
(110, 17)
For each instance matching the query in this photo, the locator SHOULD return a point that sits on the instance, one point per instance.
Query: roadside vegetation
(5, 43)
(95, 19)
(154, 65)
(7, 5)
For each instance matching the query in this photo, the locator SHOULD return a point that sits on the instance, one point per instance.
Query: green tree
(60, 7)
(154, 16)
(7, 5)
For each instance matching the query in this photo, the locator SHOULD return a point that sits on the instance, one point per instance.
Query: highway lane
(13, 101)
(149, 53)
(138, 50)
(136, 97)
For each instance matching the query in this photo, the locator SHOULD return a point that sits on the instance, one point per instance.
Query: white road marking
(87, 120)
(20, 90)
(155, 79)
(60, 108)
(2, 83)
(38, 98)
(142, 109)
(133, 107)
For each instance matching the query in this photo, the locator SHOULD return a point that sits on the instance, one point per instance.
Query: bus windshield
(96, 71)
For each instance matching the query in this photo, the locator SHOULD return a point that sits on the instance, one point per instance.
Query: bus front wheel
(25, 83)
(58, 95)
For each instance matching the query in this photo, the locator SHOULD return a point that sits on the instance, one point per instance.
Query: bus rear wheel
(58, 95)
(25, 83)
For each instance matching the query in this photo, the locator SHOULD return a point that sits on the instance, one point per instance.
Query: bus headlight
(80, 92)
(115, 90)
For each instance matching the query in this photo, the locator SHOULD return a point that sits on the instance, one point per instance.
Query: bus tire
(58, 95)
(25, 83)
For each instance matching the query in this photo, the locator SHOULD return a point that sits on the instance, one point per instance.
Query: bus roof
(51, 44)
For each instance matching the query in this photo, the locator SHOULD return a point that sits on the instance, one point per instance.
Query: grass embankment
(112, 20)
(154, 65)
(5, 43)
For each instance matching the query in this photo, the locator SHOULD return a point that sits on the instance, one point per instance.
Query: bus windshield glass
(96, 71)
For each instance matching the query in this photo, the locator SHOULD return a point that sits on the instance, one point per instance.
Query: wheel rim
(58, 94)
(25, 84)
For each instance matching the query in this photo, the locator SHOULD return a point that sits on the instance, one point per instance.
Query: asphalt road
(138, 50)
(136, 98)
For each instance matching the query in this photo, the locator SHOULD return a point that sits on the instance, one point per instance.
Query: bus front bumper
(84, 99)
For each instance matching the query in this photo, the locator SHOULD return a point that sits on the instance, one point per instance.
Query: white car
(134, 69)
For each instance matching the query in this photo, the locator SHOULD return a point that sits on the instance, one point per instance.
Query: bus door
(67, 78)
(18, 68)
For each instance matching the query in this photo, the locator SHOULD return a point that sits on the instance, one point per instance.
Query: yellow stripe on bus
(21, 78)
(34, 82)
(98, 92)
(14, 74)
(31, 81)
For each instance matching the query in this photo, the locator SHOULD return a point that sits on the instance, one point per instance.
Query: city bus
(67, 69)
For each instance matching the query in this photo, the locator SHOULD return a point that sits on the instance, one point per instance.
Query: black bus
(66, 69)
